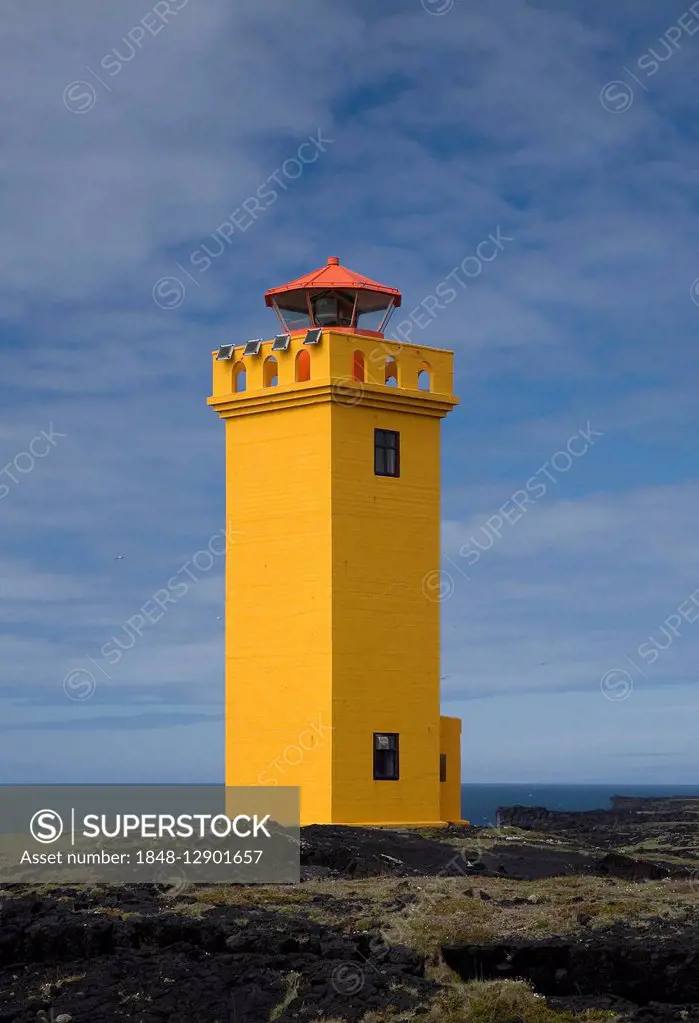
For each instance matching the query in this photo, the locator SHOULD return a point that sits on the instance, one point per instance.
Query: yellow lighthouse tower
(333, 497)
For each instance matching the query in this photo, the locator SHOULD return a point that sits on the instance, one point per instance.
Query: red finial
(333, 260)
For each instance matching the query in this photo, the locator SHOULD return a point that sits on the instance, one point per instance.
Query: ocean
(480, 802)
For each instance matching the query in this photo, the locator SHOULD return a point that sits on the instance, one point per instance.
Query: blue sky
(445, 121)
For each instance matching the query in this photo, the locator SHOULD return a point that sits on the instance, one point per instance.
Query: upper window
(386, 453)
(442, 767)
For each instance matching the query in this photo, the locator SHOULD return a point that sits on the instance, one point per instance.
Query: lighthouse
(332, 632)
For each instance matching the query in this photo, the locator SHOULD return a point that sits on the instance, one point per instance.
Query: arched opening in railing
(358, 366)
(424, 378)
(303, 366)
(391, 372)
(270, 369)
(239, 377)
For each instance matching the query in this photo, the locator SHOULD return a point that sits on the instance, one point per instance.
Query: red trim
(338, 330)
(333, 275)
(357, 330)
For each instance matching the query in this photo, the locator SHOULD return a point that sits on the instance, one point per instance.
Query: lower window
(442, 767)
(385, 756)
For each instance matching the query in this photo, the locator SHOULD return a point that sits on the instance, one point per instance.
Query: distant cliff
(668, 823)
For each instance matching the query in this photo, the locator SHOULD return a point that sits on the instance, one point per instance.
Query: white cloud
(443, 129)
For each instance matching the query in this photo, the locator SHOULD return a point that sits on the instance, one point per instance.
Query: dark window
(442, 767)
(386, 453)
(385, 756)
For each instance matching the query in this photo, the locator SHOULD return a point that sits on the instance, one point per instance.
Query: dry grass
(446, 914)
(252, 895)
(487, 837)
(280, 898)
(657, 848)
(502, 1001)
(292, 989)
(51, 987)
(425, 913)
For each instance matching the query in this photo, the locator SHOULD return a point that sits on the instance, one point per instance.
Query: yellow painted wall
(330, 635)
(450, 790)
(385, 630)
(278, 604)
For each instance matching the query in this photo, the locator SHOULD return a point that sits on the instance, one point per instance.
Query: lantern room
(334, 296)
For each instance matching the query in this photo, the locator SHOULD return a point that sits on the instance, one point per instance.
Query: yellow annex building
(333, 509)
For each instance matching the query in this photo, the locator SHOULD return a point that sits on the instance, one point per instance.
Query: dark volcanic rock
(374, 852)
(523, 862)
(630, 821)
(631, 869)
(660, 964)
(233, 965)
(339, 851)
(130, 953)
(658, 831)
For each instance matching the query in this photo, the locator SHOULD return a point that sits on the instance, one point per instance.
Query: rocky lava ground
(596, 911)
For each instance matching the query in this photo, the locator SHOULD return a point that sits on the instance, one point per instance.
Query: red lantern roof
(334, 276)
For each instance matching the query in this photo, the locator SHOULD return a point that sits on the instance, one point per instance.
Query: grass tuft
(292, 990)
(497, 1001)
